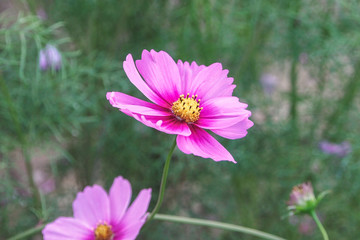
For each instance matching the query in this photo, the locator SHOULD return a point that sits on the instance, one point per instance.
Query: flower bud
(302, 199)
(50, 57)
(42, 60)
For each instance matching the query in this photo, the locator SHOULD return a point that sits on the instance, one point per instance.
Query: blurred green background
(296, 63)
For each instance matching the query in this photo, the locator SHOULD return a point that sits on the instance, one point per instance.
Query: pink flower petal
(169, 125)
(161, 73)
(135, 78)
(223, 106)
(201, 143)
(138, 208)
(130, 232)
(120, 196)
(238, 130)
(65, 228)
(135, 105)
(212, 82)
(92, 206)
(187, 74)
(218, 123)
(222, 112)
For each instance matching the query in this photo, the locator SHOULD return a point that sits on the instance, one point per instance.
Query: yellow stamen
(103, 232)
(187, 108)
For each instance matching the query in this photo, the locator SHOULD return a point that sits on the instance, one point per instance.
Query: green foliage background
(67, 111)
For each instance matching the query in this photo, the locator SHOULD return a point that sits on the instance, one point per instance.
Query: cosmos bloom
(186, 100)
(50, 57)
(102, 216)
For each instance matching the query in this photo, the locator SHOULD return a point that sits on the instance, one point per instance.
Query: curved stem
(163, 182)
(28, 233)
(320, 226)
(215, 224)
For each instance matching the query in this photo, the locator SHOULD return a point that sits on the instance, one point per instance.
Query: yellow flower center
(187, 108)
(103, 232)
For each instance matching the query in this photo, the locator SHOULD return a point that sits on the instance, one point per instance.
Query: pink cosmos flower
(175, 90)
(99, 216)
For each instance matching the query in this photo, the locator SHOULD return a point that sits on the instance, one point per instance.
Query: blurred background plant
(296, 63)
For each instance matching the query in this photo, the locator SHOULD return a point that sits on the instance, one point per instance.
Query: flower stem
(320, 226)
(163, 183)
(215, 224)
(28, 233)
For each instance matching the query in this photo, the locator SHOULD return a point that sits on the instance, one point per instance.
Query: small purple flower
(339, 150)
(50, 57)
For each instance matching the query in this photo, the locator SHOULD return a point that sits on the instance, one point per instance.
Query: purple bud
(43, 60)
(53, 56)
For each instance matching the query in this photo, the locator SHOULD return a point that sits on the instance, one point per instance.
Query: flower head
(50, 57)
(102, 216)
(302, 199)
(186, 100)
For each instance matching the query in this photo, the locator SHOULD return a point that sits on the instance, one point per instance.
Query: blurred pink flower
(307, 226)
(175, 90)
(102, 216)
(301, 194)
(339, 150)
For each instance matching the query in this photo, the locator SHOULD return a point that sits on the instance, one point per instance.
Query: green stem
(23, 142)
(163, 183)
(28, 233)
(320, 226)
(215, 224)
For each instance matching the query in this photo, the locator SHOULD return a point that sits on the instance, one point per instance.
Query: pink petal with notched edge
(65, 228)
(222, 112)
(92, 206)
(119, 196)
(222, 107)
(138, 208)
(135, 78)
(238, 130)
(212, 82)
(187, 74)
(169, 125)
(201, 143)
(135, 105)
(161, 73)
